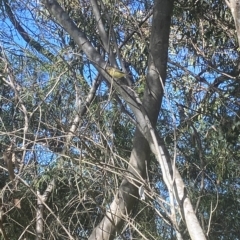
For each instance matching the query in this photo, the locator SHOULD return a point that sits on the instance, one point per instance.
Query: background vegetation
(70, 134)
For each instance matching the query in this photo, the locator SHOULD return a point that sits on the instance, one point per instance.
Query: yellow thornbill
(115, 73)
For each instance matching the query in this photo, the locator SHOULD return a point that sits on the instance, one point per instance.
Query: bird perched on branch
(115, 73)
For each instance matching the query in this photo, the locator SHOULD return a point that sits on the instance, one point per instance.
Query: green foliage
(199, 118)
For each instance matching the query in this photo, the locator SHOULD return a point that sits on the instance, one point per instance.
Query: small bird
(115, 73)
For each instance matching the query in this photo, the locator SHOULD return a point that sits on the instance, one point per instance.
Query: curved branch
(25, 35)
(102, 32)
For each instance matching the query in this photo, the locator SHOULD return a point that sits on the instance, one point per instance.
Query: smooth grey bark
(40, 208)
(234, 6)
(146, 115)
(102, 32)
(158, 54)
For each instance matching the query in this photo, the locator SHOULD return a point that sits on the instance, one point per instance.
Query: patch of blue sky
(186, 75)
(41, 155)
(162, 200)
(29, 23)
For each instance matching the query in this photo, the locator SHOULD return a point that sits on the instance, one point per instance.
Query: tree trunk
(153, 94)
(146, 114)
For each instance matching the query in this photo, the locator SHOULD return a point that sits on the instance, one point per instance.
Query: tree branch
(25, 35)
(146, 116)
